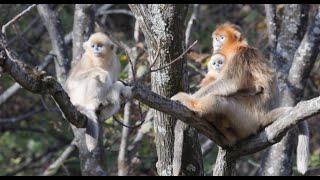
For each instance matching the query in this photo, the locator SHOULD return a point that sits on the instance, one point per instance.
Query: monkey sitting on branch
(92, 82)
(222, 101)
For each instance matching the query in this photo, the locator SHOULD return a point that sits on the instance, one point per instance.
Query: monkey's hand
(181, 97)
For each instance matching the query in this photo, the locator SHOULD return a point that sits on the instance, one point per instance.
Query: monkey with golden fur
(222, 101)
(92, 82)
(245, 97)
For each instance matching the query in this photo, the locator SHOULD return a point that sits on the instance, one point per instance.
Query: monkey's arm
(221, 87)
(250, 91)
(207, 80)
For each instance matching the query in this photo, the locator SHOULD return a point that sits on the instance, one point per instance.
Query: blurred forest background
(33, 133)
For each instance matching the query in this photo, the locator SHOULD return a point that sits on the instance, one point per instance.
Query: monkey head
(225, 35)
(216, 63)
(98, 45)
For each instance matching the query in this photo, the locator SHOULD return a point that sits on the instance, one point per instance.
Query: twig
(116, 11)
(54, 167)
(21, 117)
(178, 58)
(16, 18)
(132, 127)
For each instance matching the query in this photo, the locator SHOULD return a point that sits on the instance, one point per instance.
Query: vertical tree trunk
(163, 26)
(278, 160)
(224, 166)
(83, 26)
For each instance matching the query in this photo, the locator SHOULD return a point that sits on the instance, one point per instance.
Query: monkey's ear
(111, 46)
(85, 45)
(237, 34)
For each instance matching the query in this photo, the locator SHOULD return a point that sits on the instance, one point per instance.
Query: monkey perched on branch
(245, 97)
(246, 71)
(93, 82)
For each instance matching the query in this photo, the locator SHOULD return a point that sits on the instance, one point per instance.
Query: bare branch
(272, 23)
(54, 167)
(178, 58)
(207, 146)
(305, 57)
(274, 132)
(116, 11)
(193, 18)
(20, 117)
(16, 18)
(56, 33)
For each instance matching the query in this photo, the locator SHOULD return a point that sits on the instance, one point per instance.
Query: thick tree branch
(47, 60)
(274, 132)
(36, 83)
(270, 135)
(16, 18)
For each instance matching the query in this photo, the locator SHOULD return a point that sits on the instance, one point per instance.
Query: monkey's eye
(92, 45)
(221, 37)
(214, 63)
(220, 62)
(100, 45)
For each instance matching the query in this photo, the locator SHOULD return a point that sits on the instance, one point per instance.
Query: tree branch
(16, 18)
(270, 135)
(274, 132)
(272, 24)
(193, 18)
(21, 117)
(54, 167)
(56, 33)
(47, 60)
(31, 80)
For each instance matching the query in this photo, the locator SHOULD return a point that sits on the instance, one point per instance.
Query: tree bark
(278, 160)
(224, 166)
(83, 26)
(91, 162)
(56, 33)
(162, 26)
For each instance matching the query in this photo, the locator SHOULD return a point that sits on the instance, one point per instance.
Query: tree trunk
(56, 33)
(83, 26)
(163, 27)
(278, 160)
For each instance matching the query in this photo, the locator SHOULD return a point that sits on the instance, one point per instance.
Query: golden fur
(222, 102)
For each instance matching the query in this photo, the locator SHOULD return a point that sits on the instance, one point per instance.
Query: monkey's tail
(92, 129)
(303, 152)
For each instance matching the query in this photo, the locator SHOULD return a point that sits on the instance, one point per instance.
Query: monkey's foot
(179, 97)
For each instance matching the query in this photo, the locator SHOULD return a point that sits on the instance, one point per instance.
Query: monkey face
(216, 62)
(97, 49)
(218, 41)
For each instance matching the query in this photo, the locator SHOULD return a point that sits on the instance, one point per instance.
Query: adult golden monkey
(222, 102)
(93, 82)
